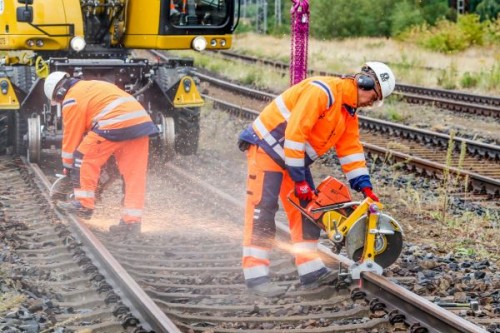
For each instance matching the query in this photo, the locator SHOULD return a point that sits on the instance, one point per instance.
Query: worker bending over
(293, 131)
(101, 120)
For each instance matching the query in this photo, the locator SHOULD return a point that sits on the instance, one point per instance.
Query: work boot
(75, 207)
(268, 289)
(124, 227)
(328, 278)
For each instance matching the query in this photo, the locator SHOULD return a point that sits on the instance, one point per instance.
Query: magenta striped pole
(299, 15)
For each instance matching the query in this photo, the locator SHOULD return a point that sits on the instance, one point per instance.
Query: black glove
(243, 145)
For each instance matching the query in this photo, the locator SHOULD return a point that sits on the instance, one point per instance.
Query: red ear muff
(365, 82)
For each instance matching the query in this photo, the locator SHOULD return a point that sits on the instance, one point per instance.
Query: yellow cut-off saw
(371, 238)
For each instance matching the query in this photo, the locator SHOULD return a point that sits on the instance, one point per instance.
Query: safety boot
(268, 289)
(124, 227)
(328, 278)
(75, 207)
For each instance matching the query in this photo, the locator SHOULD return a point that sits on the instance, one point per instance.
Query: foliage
(335, 19)
(488, 9)
(405, 16)
(448, 37)
(367, 18)
(469, 80)
(447, 77)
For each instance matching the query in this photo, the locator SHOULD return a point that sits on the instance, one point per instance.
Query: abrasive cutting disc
(387, 247)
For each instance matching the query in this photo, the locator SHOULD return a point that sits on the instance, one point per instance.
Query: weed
(9, 301)
(469, 80)
(447, 77)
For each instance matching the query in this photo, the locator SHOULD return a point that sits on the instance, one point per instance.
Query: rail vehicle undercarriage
(95, 40)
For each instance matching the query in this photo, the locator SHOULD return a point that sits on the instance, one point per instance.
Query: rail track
(421, 151)
(185, 276)
(181, 280)
(441, 98)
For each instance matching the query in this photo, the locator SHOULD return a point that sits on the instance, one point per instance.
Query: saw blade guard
(388, 243)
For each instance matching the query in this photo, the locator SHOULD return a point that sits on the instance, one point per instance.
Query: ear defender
(62, 90)
(365, 82)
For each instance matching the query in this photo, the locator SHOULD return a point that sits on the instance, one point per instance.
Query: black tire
(21, 129)
(187, 129)
(6, 129)
(23, 77)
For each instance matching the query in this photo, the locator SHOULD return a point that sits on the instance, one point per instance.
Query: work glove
(243, 145)
(67, 172)
(303, 191)
(367, 192)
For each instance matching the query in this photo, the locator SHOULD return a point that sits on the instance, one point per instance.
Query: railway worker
(299, 126)
(101, 120)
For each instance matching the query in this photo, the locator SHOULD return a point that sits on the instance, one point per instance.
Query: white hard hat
(51, 83)
(385, 77)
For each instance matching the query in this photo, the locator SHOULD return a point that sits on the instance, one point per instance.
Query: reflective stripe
(67, 165)
(108, 108)
(84, 194)
(310, 266)
(279, 150)
(132, 212)
(352, 158)
(305, 247)
(65, 154)
(256, 272)
(313, 155)
(356, 173)
(255, 252)
(270, 140)
(123, 117)
(295, 145)
(256, 214)
(282, 107)
(68, 102)
(327, 90)
(78, 162)
(295, 162)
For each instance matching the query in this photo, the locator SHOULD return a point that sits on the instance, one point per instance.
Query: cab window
(198, 12)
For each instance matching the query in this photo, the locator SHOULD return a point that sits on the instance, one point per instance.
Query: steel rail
(474, 147)
(416, 308)
(490, 185)
(450, 95)
(151, 317)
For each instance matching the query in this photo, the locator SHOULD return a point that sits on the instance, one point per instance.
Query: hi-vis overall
(101, 120)
(299, 126)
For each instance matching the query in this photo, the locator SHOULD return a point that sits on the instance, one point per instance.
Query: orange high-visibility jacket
(104, 108)
(308, 119)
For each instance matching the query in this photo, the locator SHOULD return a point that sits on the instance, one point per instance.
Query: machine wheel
(6, 130)
(387, 247)
(167, 137)
(163, 146)
(187, 131)
(34, 139)
(20, 134)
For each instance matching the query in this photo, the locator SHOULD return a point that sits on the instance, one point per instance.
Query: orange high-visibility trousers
(132, 160)
(267, 182)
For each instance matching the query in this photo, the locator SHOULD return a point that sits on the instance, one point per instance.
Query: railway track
(441, 98)
(184, 274)
(421, 151)
(188, 278)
